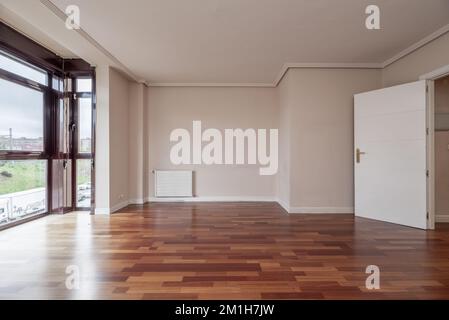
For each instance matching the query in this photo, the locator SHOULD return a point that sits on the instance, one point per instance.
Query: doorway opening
(441, 149)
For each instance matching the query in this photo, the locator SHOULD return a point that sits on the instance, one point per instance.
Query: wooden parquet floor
(220, 251)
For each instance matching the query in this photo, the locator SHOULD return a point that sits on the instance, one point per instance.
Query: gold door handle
(357, 155)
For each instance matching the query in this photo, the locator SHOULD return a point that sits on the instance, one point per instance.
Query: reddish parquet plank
(221, 251)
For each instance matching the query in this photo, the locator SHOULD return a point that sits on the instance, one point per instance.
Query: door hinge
(427, 173)
(427, 215)
(427, 131)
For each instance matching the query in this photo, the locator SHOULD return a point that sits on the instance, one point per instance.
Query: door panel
(390, 179)
(84, 145)
(83, 183)
(61, 161)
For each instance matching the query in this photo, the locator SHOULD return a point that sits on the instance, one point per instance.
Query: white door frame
(436, 74)
(431, 77)
(430, 154)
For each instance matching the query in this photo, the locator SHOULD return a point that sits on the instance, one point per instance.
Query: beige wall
(137, 143)
(102, 140)
(217, 107)
(313, 109)
(119, 141)
(283, 178)
(320, 111)
(432, 56)
(119, 138)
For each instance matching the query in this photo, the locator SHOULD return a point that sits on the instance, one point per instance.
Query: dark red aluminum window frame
(21, 48)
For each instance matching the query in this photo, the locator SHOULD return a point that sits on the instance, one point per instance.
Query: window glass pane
(22, 117)
(83, 183)
(67, 182)
(83, 85)
(57, 192)
(22, 189)
(57, 84)
(64, 126)
(63, 131)
(68, 82)
(85, 125)
(23, 69)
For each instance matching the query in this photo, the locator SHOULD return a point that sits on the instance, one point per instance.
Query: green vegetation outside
(20, 175)
(83, 171)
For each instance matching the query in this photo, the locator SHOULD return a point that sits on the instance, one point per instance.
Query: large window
(22, 117)
(47, 135)
(83, 84)
(23, 158)
(22, 69)
(83, 183)
(84, 154)
(85, 125)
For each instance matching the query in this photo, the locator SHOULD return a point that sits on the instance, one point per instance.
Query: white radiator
(173, 183)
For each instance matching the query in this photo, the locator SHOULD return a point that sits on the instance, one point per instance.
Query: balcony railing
(19, 205)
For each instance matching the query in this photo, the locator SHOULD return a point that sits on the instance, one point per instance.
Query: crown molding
(433, 36)
(421, 43)
(26, 34)
(318, 65)
(284, 69)
(435, 74)
(325, 65)
(60, 14)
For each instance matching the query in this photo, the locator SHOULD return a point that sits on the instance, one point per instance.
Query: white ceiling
(16, 22)
(248, 41)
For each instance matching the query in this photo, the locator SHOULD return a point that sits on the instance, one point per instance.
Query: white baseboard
(318, 210)
(214, 199)
(113, 209)
(119, 206)
(137, 201)
(100, 211)
(293, 210)
(442, 218)
(284, 205)
(315, 210)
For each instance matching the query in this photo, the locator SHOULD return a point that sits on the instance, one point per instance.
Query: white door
(390, 154)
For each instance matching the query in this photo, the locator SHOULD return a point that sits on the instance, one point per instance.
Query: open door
(390, 134)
